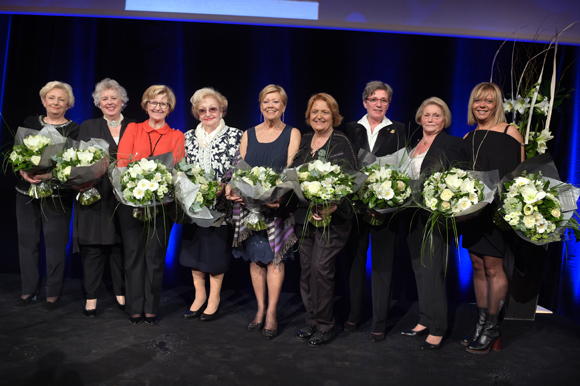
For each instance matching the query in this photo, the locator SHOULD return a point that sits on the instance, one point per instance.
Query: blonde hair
(61, 85)
(479, 91)
(273, 88)
(158, 89)
(439, 103)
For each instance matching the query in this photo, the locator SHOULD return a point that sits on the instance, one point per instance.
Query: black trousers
(144, 246)
(430, 275)
(383, 241)
(317, 261)
(94, 260)
(51, 216)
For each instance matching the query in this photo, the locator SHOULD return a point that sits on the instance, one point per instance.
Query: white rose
(35, 159)
(446, 195)
(70, 154)
(314, 187)
(529, 221)
(453, 181)
(85, 157)
(556, 212)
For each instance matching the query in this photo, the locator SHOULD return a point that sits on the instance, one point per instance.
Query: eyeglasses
(161, 105)
(211, 110)
(375, 100)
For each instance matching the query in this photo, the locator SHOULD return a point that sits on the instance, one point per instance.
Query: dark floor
(65, 348)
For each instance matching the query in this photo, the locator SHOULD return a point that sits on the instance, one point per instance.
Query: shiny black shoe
(151, 320)
(136, 320)
(321, 338)
(23, 302)
(121, 306)
(189, 314)
(49, 306)
(422, 332)
(376, 337)
(306, 332)
(489, 339)
(350, 327)
(269, 334)
(472, 338)
(90, 313)
(209, 317)
(430, 346)
(255, 326)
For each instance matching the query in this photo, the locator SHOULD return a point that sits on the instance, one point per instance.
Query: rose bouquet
(322, 183)
(258, 186)
(385, 190)
(81, 165)
(32, 152)
(144, 184)
(196, 192)
(537, 207)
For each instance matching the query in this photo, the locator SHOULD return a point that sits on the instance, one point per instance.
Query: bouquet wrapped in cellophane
(536, 204)
(387, 188)
(196, 192)
(32, 153)
(258, 186)
(320, 183)
(145, 184)
(81, 165)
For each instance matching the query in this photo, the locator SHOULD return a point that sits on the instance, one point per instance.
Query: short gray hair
(109, 84)
(375, 85)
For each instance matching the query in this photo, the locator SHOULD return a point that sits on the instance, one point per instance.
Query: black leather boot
(469, 339)
(489, 339)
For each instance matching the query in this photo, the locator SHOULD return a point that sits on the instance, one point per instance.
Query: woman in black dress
(50, 216)
(435, 149)
(96, 231)
(492, 145)
(213, 145)
(321, 245)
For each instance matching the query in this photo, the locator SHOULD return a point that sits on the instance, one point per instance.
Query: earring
(283, 116)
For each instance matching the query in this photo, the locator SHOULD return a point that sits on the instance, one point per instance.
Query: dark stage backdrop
(239, 61)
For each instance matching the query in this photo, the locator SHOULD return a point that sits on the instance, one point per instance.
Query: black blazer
(95, 224)
(390, 139)
(446, 150)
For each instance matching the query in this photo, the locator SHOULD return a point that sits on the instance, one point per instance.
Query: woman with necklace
(50, 216)
(96, 229)
(145, 244)
(273, 144)
(435, 150)
(321, 245)
(380, 136)
(207, 251)
(492, 145)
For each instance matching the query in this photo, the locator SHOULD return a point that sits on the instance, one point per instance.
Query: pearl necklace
(114, 123)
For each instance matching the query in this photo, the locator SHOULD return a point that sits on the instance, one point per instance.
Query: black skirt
(207, 249)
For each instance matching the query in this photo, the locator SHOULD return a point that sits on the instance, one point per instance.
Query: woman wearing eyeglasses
(145, 244)
(380, 136)
(213, 145)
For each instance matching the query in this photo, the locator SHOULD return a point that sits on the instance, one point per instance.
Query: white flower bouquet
(144, 184)
(537, 207)
(32, 152)
(258, 186)
(81, 165)
(323, 183)
(196, 193)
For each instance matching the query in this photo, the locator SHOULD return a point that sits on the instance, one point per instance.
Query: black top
(447, 151)
(491, 150)
(69, 129)
(271, 154)
(390, 138)
(95, 224)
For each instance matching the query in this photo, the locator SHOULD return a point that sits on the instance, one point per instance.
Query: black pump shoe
(136, 320)
(23, 302)
(90, 313)
(189, 314)
(422, 332)
(207, 317)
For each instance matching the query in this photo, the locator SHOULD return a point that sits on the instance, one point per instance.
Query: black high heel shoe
(207, 317)
(422, 332)
(23, 302)
(189, 314)
(90, 313)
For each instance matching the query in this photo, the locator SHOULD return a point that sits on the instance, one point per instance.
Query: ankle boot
(477, 329)
(489, 339)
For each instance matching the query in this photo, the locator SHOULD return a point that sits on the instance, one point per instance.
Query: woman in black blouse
(96, 229)
(50, 216)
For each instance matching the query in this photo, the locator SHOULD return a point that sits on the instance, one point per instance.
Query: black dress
(210, 249)
(489, 150)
